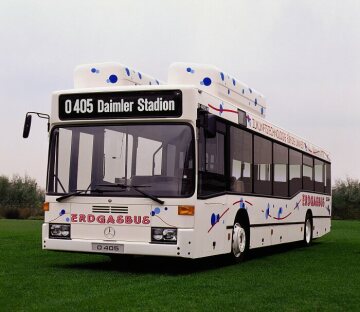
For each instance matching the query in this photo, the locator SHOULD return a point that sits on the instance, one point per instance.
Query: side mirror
(27, 126)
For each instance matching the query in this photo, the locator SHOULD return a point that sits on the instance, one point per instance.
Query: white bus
(188, 169)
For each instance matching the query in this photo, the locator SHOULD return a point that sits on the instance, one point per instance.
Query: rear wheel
(240, 241)
(308, 233)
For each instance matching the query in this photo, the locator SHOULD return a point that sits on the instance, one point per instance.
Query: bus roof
(222, 94)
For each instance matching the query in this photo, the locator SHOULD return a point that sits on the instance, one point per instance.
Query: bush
(346, 199)
(20, 197)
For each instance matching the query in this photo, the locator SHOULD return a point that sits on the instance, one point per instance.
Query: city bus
(189, 168)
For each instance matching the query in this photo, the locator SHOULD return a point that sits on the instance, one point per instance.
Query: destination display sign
(129, 104)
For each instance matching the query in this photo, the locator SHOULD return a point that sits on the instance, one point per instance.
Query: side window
(240, 160)
(295, 175)
(262, 165)
(281, 160)
(212, 161)
(214, 154)
(319, 169)
(327, 179)
(308, 168)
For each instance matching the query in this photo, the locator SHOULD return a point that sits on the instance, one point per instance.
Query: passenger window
(327, 179)
(281, 160)
(295, 175)
(319, 175)
(240, 161)
(262, 165)
(308, 167)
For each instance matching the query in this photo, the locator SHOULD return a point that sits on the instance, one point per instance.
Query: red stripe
(219, 219)
(283, 217)
(224, 110)
(240, 201)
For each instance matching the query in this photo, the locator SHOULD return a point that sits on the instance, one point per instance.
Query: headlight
(60, 231)
(164, 235)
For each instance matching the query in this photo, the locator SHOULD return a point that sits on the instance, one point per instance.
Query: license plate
(110, 248)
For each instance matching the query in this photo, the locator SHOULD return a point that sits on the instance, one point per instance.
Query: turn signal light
(186, 210)
(46, 206)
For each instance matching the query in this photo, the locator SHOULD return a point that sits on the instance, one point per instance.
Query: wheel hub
(308, 231)
(239, 240)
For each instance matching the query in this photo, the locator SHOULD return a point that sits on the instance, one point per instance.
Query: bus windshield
(120, 160)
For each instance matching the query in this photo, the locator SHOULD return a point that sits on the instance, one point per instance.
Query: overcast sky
(304, 56)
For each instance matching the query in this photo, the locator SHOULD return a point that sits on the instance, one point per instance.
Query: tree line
(20, 197)
(346, 199)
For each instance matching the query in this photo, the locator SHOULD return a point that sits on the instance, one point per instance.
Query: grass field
(324, 277)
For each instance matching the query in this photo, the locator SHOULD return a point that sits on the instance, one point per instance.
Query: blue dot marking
(157, 210)
(206, 81)
(213, 219)
(139, 74)
(127, 71)
(222, 76)
(234, 82)
(113, 78)
(93, 70)
(62, 212)
(267, 212)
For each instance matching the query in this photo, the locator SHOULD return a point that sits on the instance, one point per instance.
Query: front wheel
(240, 242)
(308, 233)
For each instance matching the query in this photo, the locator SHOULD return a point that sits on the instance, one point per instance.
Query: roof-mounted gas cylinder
(110, 75)
(214, 81)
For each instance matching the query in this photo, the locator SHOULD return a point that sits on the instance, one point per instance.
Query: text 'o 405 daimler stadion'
(121, 105)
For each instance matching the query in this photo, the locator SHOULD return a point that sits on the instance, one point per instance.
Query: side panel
(272, 220)
(321, 226)
(211, 220)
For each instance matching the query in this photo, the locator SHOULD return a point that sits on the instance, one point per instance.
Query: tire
(240, 242)
(308, 232)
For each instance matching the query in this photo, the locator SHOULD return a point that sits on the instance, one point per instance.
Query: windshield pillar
(74, 162)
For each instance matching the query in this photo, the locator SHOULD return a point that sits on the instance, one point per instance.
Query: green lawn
(324, 277)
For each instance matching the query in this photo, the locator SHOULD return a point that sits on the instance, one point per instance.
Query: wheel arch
(242, 216)
(310, 214)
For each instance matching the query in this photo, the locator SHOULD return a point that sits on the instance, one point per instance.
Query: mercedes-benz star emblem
(109, 232)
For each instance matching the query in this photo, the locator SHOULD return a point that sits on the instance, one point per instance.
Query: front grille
(110, 209)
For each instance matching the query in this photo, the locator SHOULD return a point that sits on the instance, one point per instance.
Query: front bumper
(184, 247)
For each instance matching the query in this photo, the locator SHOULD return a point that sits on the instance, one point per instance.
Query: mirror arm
(28, 121)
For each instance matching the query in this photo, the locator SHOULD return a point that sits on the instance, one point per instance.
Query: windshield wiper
(77, 192)
(136, 188)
